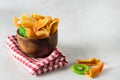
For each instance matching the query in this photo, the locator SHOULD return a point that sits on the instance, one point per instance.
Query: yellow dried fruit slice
(15, 22)
(41, 23)
(27, 21)
(42, 33)
(37, 17)
(30, 34)
(54, 25)
(24, 17)
(89, 62)
(27, 24)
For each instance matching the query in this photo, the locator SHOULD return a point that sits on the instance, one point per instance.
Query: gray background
(87, 28)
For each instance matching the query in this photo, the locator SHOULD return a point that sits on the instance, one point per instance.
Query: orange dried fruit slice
(30, 34)
(89, 62)
(54, 25)
(41, 23)
(42, 33)
(95, 71)
(27, 21)
(37, 16)
(16, 22)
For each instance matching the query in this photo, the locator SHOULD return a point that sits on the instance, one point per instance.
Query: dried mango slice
(27, 24)
(27, 21)
(89, 62)
(30, 34)
(41, 23)
(24, 17)
(95, 71)
(15, 22)
(37, 17)
(54, 25)
(47, 28)
(42, 33)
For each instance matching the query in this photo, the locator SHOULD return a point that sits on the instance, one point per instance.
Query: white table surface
(87, 28)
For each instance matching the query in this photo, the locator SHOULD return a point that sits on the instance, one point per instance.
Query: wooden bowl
(37, 48)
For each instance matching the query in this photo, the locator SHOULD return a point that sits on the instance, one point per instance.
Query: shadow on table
(73, 52)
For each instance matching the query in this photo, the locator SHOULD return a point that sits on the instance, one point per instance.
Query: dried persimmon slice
(89, 62)
(95, 71)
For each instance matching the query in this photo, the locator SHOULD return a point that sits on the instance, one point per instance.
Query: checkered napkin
(36, 66)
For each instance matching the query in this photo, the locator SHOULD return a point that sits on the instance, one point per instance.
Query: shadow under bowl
(37, 48)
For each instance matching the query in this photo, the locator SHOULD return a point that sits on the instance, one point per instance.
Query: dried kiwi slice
(22, 31)
(80, 68)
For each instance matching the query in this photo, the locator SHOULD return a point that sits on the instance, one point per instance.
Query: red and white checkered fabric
(36, 66)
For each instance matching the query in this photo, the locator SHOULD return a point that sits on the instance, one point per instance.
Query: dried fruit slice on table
(93, 72)
(80, 68)
(89, 62)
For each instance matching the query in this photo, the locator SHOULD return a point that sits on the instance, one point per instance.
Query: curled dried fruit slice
(24, 17)
(93, 72)
(30, 34)
(42, 33)
(27, 24)
(80, 68)
(54, 25)
(37, 16)
(41, 23)
(89, 62)
(15, 22)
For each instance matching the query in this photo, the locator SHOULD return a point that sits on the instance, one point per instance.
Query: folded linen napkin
(36, 66)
